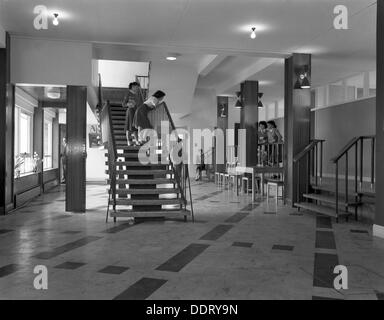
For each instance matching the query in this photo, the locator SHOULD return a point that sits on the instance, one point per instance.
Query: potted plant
(18, 163)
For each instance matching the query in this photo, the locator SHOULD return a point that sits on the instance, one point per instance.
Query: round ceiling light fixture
(253, 33)
(171, 58)
(55, 19)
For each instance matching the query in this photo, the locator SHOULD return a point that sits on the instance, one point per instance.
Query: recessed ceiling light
(171, 58)
(52, 93)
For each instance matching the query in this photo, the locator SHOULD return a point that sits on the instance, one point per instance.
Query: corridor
(234, 250)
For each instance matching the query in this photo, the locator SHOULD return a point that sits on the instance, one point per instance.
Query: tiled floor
(234, 250)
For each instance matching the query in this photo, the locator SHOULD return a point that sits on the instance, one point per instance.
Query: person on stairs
(141, 121)
(131, 102)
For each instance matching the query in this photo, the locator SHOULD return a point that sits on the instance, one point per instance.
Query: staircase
(335, 197)
(137, 190)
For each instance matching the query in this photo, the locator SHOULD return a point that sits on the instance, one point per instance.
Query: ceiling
(143, 30)
(39, 93)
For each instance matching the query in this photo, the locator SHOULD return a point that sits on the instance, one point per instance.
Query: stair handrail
(109, 142)
(181, 175)
(344, 153)
(313, 167)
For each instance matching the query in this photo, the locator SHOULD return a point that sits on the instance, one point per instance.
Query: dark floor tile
(325, 298)
(282, 247)
(269, 212)
(216, 232)
(242, 244)
(360, 231)
(141, 290)
(180, 260)
(324, 265)
(71, 232)
(70, 265)
(325, 240)
(67, 247)
(119, 228)
(237, 217)
(250, 207)
(4, 231)
(8, 269)
(296, 214)
(323, 222)
(380, 295)
(113, 270)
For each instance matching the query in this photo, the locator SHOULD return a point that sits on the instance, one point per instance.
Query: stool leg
(277, 195)
(267, 193)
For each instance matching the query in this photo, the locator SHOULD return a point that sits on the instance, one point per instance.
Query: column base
(378, 231)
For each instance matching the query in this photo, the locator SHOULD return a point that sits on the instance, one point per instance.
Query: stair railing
(310, 161)
(180, 171)
(270, 154)
(109, 142)
(355, 143)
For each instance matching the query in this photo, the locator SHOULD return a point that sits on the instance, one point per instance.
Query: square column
(7, 101)
(76, 149)
(378, 228)
(297, 119)
(249, 118)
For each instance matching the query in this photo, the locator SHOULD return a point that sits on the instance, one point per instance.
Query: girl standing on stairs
(132, 101)
(141, 121)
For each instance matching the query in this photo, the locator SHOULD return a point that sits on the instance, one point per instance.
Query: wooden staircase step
(147, 191)
(144, 172)
(137, 164)
(143, 181)
(331, 212)
(331, 200)
(147, 202)
(331, 189)
(150, 214)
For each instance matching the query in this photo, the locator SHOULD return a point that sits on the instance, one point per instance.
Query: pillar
(297, 118)
(7, 101)
(222, 124)
(378, 227)
(76, 151)
(249, 118)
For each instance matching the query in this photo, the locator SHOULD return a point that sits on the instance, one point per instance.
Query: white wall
(119, 74)
(203, 111)
(38, 61)
(177, 81)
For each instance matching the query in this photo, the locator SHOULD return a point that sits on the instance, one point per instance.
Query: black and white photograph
(194, 155)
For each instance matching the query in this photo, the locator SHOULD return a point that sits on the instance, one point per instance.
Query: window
(47, 143)
(23, 142)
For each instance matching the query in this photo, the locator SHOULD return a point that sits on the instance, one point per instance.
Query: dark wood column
(222, 123)
(7, 101)
(297, 120)
(379, 216)
(76, 154)
(249, 117)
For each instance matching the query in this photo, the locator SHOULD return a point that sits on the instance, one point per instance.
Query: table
(257, 170)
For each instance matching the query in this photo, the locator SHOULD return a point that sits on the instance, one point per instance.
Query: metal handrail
(183, 178)
(311, 155)
(354, 143)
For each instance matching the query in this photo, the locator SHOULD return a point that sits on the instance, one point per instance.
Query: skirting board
(24, 197)
(51, 184)
(378, 231)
